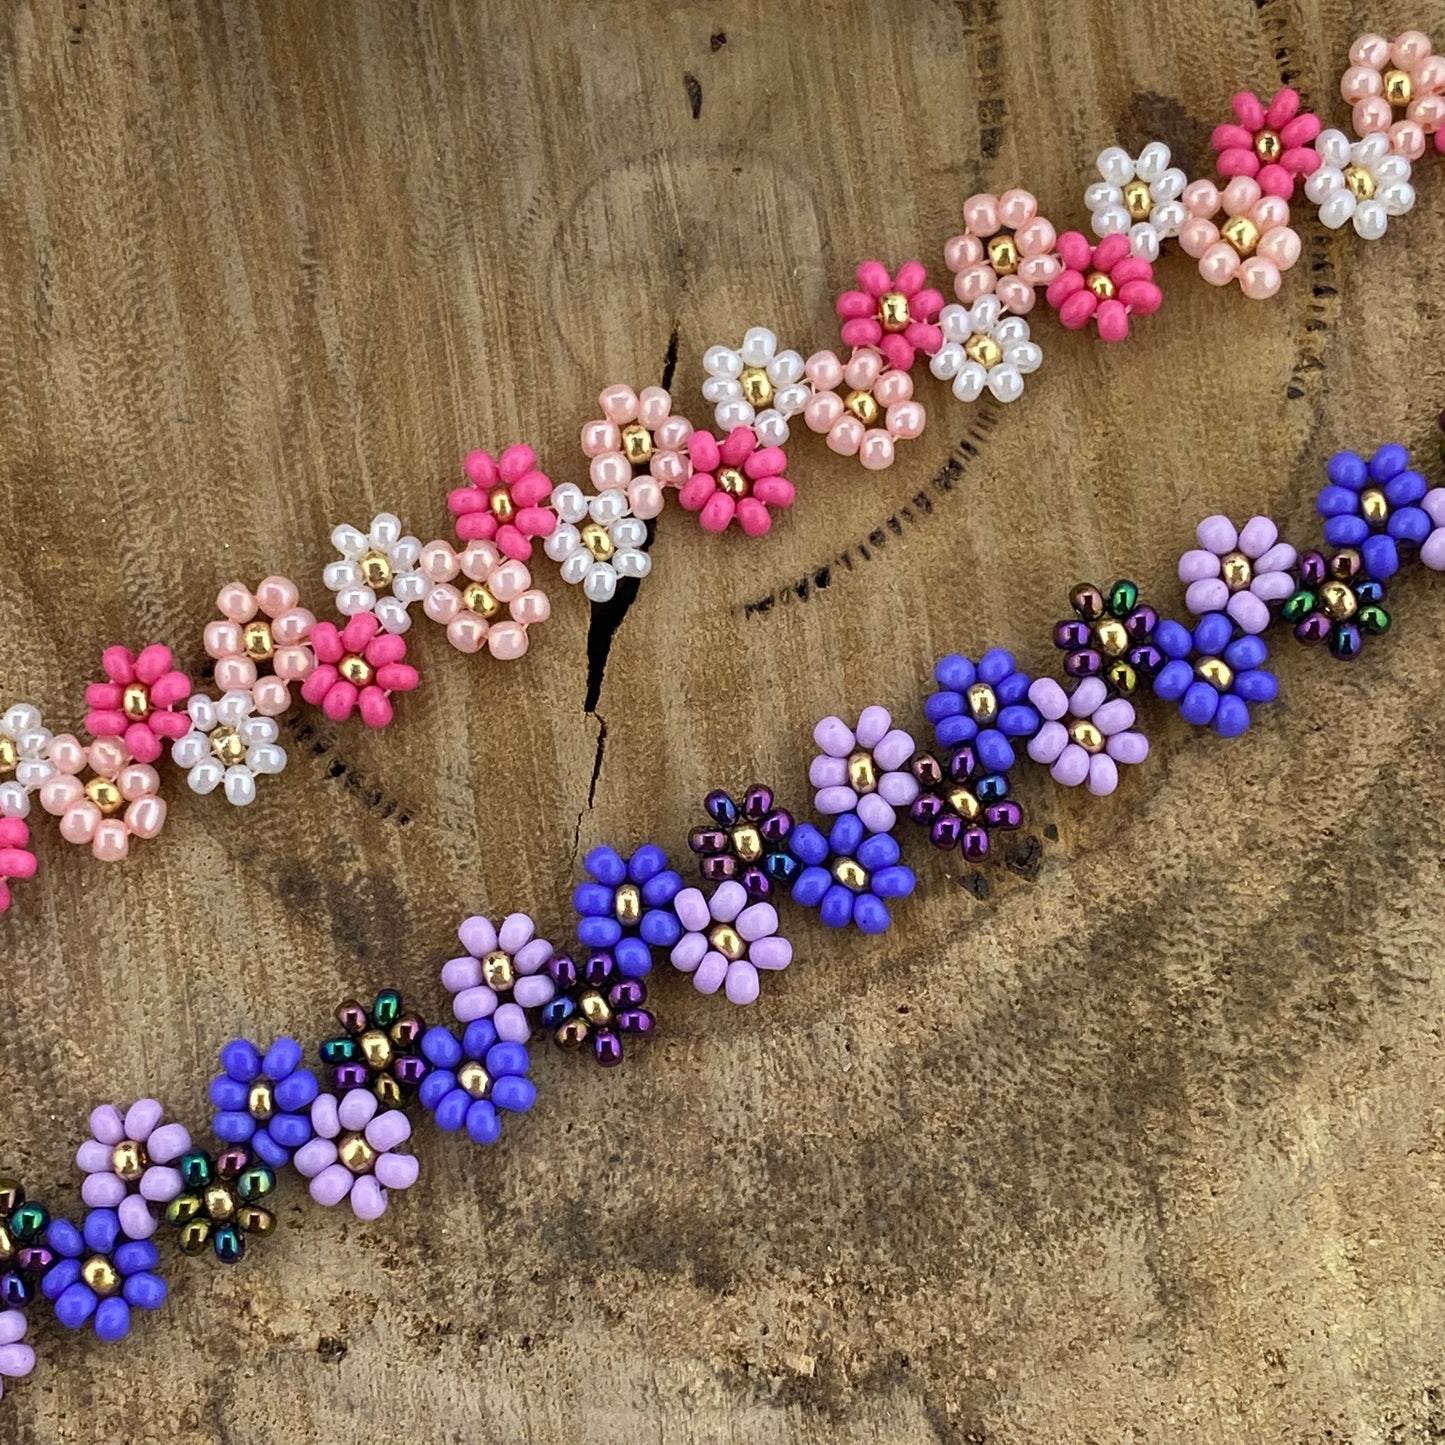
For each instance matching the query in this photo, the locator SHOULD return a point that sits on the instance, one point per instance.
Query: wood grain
(1139, 1139)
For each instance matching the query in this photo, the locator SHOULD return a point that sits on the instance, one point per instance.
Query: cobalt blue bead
(1247, 652)
(450, 1111)
(1389, 461)
(76, 1305)
(1173, 680)
(954, 730)
(811, 886)
(1019, 720)
(60, 1278)
(1011, 693)
(1337, 502)
(606, 866)
(145, 1291)
(1173, 639)
(955, 673)
(233, 1127)
(1256, 685)
(1199, 703)
(836, 909)
(1409, 524)
(297, 1091)
(112, 1319)
(1347, 469)
(648, 861)
(660, 928)
(441, 1048)
(1381, 557)
(514, 1094)
(895, 882)
(1346, 531)
(880, 850)
(435, 1087)
(241, 1060)
(661, 888)
(1405, 489)
(598, 932)
(994, 666)
(480, 1035)
(134, 1256)
(282, 1058)
(1212, 633)
(228, 1093)
(64, 1238)
(482, 1123)
(994, 751)
(594, 900)
(101, 1230)
(267, 1146)
(870, 914)
(808, 844)
(1232, 716)
(506, 1058)
(634, 958)
(941, 705)
(846, 834)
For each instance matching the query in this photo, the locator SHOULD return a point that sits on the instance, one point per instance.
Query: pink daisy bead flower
(506, 502)
(261, 642)
(127, 1163)
(135, 701)
(502, 974)
(1255, 243)
(637, 446)
(1271, 144)
(120, 800)
(863, 770)
(16, 859)
(728, 939)
(1397, 88)
(735, 479)
(360, 667)
(876, 411)
(897, 314)
(472, 611)
(1104, 284)
(1238, 571)
(1086, 735)
(1007, 250)
(354, 1154)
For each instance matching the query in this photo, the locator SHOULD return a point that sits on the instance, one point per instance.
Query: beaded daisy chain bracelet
(343, 1121)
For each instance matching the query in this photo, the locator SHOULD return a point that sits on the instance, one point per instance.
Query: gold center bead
(863, 405)
(1003, 254)
(128, 1160)
(261, 1101)
(893, 310)
(257, 640)
(637, 444)
(498, 971)
(627, 905)
(1242, 234)
(1360, 182)
(375, 1049)
(1111, 636)
(478, 598)
(227, 745)
(1236, 571)
(850, 874)
(356, 1153)
(1216, 672)
(219, 1201)
(106, 795)
(1399, 89)
(598, 541)
(728, 942)
(747, 843)
(1268, 146)
(1137, 201)
(1087, 735)
(135, 702)
(9, 756)
(964, 804)
(1373, 506)
(499, 499)
(862, 773)
(757, 386)
(1101, 285)
(475, 1080)
(984, 350)
(101, 1275)
(595, 1009)
(356, 670)
(732, 482)
(375, 569)
(982, 702)
(1338, 601)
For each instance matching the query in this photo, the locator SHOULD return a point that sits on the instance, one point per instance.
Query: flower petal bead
(101, 1274)
(1432, 549)
(983, 348)
(746, 841)
(360, 668)
(984, 703)
(737, 479)
(1110, 635)
(475, 1079)
(1375, 505)
(848, 874)
(118, 801)
(864, 769)
(1365, 184)
(507, 501)
(1336, 601)
(17, 1359)
(1086, 736)
(501, 975)
(728, 941)
(376, 572)
(24, 758)
(261, 642)
(755, 385)
(627, 907)
(1103, 284)
(637, 447)
(263, 1101)
(894, 313)
(595, 1005)
(136, 702)
(1006, 250)
(1137, 198)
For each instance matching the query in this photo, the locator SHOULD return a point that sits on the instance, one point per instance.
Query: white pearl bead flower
(1363, 183)
(228, 745)
(377, 572)
(597, 540)
(24, 758)
(757, 385)
(984, 347)
(1138, 197)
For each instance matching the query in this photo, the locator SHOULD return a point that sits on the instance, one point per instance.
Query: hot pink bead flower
(506, 502)
(897, 314)
(260, 643)
(637, 446)
(127, 1163)
(360, 668)
(1103, 284)
(135, 701)
(1006, 248)
(354, 1154)
(16, 859)
(472, 610)
(117, 802)
(1272, 144)
(1254, 243)
(735, 478)
(728, 939)
(875, 410)
(1086, 735)
(1397, 86)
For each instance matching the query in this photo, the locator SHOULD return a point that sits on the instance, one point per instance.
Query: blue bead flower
(628, 906)
(1213, 676)
(849, 873)
(985, 704)
(101, 1275)
(264, 1103)
(1374, 506)
(472, 1077)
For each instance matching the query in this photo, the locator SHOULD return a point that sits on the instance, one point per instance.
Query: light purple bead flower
(863, 770)
(126, 1163)
(353, 1155)
(1432, 549)
(728, 940)
(1085, 735)
(502, 974)
(1237, 572)
(17, 1359)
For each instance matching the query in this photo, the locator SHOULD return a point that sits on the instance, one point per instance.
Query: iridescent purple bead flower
(1336, 601)
(24, 1255)
(627, 908)
(1110, 636)
(1086, 734)
(502, 974)
(747, 841)
(264, 1101)
(101, 1273)
(474, 1077)
(595, 1003)
(985, 704)
(728, 940)
(354, 1156)
(1237, 571)
(1375, 506)
(379, 1049)
(848, 873)
(17, 1359)
(960, 805)
(127, 1163)
(863, 770)
(1214, 675)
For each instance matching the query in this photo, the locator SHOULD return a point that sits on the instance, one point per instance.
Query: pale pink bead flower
(1006, 249)
(1251, 242)
(728, 939)
(117, 802)
(261, 642)
(1238, 571)
(354, 1154)
(127, 1163)
(1086, 735)
(501, 975)
(467, 592)
(1397, 87)
(875, 410)
(637, 446)
(897, 314)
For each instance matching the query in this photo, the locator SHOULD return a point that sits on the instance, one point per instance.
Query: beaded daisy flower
(598, 540)
(24, 1256)
(378, 1049)
(755, 385)
(959, 803)
(263, 1101)
(728, 939)
(24, 758)
(1374, 505)
(472, 611)
(1214, 674)
(101, 1274)
(1272, 144)
(1252, 243)
(737, 479)
(876, 407)
(1110, 635)
(1336, 601)
(1006, 250)
(127, 1163)
(354, 1156)
(220, 1203)
(594, 1004)
(1365, 183)
(137, 699)
(228, 746)
(1137, 197)
(1238, 571)
(508, 501)
(1397, 89)
(261, 642)
(118, 801)
(637, 447)
(984, 703)
(863, 769)
(746, 841)
(1086, 734)
(849, 873)
(377, 572)
(896, 314)
(1105, 284)
(17, 1359)
(502, 974)
(359, 668)
(627, 906)
(985, 348)
(473, 1078)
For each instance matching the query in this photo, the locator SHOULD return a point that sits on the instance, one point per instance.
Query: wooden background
(1140, 1139)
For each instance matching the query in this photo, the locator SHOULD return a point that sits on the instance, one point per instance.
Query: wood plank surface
(1137, 1139)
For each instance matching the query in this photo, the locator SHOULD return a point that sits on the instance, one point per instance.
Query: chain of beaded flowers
(344, 1122)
